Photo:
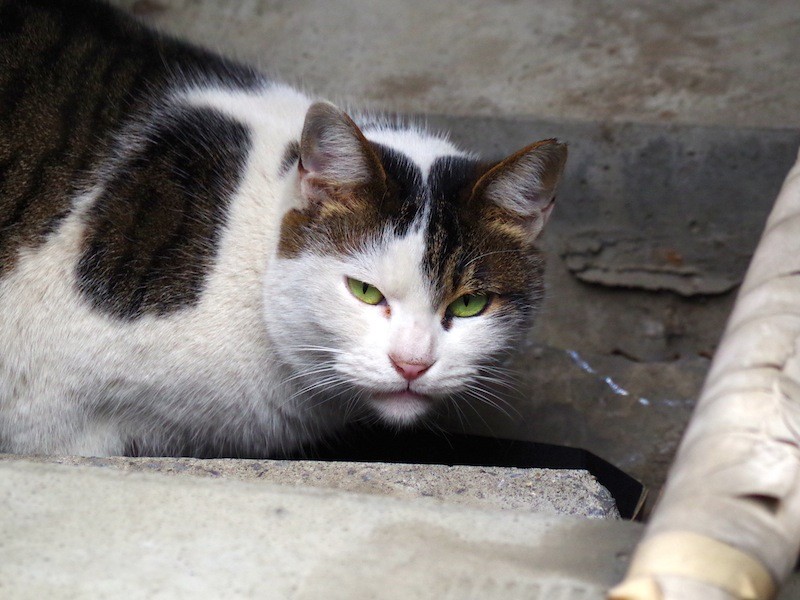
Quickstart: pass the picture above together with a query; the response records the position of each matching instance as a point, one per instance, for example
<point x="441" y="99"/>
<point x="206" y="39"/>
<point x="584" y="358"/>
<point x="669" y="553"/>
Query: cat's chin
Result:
<point x="401" y="408"/>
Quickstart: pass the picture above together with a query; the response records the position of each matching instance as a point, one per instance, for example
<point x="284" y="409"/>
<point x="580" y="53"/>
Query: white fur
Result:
<point x="415" y="143"/>
<point x="240" y="368"/>
<point x="363" y="336"/>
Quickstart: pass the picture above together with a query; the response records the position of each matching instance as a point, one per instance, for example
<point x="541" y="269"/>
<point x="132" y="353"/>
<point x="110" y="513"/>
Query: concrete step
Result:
<point x="86" y="532"/>
<point x="549" y="491"/>
<point x="75" y="532"/>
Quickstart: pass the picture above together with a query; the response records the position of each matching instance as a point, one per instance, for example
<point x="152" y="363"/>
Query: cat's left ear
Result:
<point x="524" y="185"/>
<point x="335" y="157"/>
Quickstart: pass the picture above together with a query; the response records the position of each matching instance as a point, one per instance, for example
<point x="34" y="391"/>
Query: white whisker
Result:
<point x="311" y="372"/>
<point x="476" y="411"/>
<point x="319" y="385"/>
<point x="495" y="401"/>
<point x="319" y="349"/>
<point x="507" y="385"/>
<point x="485" y="254"/>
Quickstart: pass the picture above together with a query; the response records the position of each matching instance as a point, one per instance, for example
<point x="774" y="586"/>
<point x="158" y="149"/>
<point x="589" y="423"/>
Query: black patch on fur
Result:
<point x="450" y="181"/>
<point x="72" y="74"/>
<point x="291" y="154"/>
<point x="11" y="20"/>
<point x="405" y="196"/>
<point x="153" y="233"/>
<point x="467" y="253"/>
<point x="392" y="198"/>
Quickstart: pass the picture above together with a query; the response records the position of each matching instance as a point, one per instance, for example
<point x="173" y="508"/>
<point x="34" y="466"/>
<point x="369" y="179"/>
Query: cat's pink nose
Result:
<point x="410" y="371"/>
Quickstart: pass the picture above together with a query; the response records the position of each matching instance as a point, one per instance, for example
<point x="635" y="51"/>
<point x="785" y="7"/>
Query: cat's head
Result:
<point x="405" y="267"/>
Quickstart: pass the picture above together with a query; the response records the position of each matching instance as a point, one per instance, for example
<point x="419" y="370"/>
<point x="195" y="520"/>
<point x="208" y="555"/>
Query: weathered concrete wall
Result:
<point x="653" y="231"/>
<point x="646" y="209"/>
<point x="85" y="532"/>
<point x="699" y="62"/>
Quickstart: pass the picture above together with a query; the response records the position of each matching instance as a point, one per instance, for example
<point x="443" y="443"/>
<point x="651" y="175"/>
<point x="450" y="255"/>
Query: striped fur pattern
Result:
<point x="178" y="234"/>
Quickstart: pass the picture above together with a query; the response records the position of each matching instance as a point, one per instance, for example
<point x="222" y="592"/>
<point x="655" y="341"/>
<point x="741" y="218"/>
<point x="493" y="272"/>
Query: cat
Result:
<point x="198" y="260"/>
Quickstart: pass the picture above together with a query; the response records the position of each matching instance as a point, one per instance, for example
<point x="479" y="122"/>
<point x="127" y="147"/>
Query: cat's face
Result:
<point x="401" y="278"/>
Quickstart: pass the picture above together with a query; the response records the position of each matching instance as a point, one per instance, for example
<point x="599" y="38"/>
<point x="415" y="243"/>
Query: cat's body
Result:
<point x="184" y="246"/>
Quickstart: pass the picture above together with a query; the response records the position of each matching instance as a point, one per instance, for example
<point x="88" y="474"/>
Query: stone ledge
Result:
<point x="551" y="491"/>
<point x="75" y="532"/>
<point x="83" y="532"/>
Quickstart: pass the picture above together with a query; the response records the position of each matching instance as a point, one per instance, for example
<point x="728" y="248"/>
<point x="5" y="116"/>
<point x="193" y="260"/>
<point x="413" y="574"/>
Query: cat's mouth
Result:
<point x="406" y="395"/>
<point x="402" y="407"/>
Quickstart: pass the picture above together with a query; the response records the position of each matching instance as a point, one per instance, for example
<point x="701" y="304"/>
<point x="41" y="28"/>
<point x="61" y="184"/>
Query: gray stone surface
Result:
<point x="698" y="62"/>
<point x="547" y="491"/>
<point x="78" y="532"/>
<point x="652" y="233"/>
<point x="677" y="208"/>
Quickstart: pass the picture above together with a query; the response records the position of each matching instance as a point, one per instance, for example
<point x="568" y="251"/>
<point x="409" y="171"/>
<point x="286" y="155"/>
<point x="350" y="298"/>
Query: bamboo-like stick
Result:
<point x="728" y="523"/>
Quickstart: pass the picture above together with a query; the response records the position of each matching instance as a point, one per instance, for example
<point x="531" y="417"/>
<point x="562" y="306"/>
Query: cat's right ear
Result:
<point x="523" y="186"/>
<point x="335" y="157"/>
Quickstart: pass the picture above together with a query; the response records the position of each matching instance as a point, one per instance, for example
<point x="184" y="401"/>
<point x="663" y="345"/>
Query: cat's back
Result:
<point x="184" y="247"/>
<point x="136" y="180"/>
<point x="134" y="140"/>
<point x="61" y="92"/>
<point x="71" y="75"/>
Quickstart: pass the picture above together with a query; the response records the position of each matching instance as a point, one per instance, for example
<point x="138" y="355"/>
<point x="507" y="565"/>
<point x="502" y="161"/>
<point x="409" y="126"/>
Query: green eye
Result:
<point x="468" y="305"/>
<point x="365" y="292"/>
